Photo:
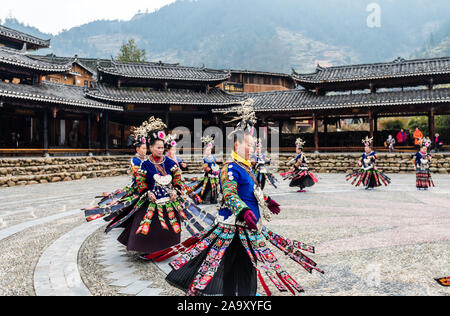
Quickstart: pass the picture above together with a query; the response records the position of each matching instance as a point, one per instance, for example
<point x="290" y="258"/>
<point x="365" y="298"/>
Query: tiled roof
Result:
<point x="214" y="97"/>
<point x="29" y="39"/>
<point x="161" y="71"/>
<point x="261" y="73"/>
<point x="89" y="64"/>
<point x="21" y="59"/>
<point x="56" y="93"/>
<point x="298" y="100"/>
<point x="399" y="68"/>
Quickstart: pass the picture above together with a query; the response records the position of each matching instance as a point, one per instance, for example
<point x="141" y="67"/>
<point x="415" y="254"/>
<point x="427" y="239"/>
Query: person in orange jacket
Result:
<point x="418" y="136"/>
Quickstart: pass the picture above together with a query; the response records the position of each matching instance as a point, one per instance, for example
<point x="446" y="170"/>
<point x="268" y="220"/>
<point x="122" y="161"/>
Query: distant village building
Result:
<point x="60" y="105"/>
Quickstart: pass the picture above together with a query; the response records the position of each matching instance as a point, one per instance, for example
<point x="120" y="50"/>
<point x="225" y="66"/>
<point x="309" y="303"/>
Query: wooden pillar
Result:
<point x="371" y="129"/>
<point x="431" y="123"/>
<point x="325" y="129"/>
<point x="106" y="115"/>
<point x="316" y="133"/>
<point x="45" y="130"/>
<point x="89" y="134"/>
<point x="166" y="119"/>
<point x="122" y="136"/>
<point x="375" y="124"/>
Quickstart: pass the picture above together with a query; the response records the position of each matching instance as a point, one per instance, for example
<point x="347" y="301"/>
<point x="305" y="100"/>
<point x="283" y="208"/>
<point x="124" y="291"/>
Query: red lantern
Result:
<point x="55" y="111"/>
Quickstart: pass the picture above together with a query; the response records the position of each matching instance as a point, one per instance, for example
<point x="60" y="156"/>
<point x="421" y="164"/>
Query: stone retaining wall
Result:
<point x="27" y="171"/>
<point x="345" y="163"/>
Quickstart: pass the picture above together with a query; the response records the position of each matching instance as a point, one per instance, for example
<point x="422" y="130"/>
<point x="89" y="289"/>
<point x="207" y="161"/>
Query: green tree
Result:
<point x="129" y="52"/>
<point x="420" y="122"/>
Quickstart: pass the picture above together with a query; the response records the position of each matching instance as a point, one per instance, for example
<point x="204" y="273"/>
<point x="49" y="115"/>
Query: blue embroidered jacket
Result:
<point x="147" y="172"/>
<point x="418" y="159"/>
<point x="371" y="156"/>
<point x="301" y="157"/>
<point x="258" y="157"/>
<point x="135" y="164"/>
<point x="237" y="187"/>
<point x="208" y="163"/>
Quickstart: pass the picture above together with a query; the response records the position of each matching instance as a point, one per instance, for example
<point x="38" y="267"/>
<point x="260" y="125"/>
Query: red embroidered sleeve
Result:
<point x="206" y="168"/>
<point x="141" y="180"/>
<point x="177" y="178"/>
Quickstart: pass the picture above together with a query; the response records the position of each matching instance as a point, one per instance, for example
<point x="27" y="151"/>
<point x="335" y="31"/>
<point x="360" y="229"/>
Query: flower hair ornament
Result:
<point x="367" y="141"/>
<point x="246" y="118"/>
<point x="259" y="143"/>
<point x="171" y="140"/>
<point x="209" y="141"/>
<point x="300" y="143"/>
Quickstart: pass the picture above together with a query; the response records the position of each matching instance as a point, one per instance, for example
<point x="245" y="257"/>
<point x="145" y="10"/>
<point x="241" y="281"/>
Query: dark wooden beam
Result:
<point x="431" y="126"/>
<point x="371" y="129"/>
<point x="45" y="131"/>
<point x="89" y="123"/>
<point x="106" y="121"/>
<point x="316" y="132"/>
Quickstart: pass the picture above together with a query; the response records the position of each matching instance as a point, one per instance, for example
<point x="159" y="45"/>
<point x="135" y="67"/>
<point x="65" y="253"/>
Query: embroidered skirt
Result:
<point x="151" y="227"/>
<point x="423" y="179"/>
<point x="207" y="188"/>
<point x="369" y="178"/>
<point x="228" y="260"/>
<point x="302" y="178"/>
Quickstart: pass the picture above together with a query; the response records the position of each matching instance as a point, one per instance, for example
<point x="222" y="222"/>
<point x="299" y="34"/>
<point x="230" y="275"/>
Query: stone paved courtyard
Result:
<point x="391" y="241"/>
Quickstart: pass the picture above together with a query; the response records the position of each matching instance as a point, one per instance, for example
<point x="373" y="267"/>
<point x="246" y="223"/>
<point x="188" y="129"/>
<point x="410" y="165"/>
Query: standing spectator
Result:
<point x="418" y="137"/>
<point x="437" y="142"/>
<point x="402" y="137"/>
<point x="427" y="142"/>
<point x="390" y="142"/>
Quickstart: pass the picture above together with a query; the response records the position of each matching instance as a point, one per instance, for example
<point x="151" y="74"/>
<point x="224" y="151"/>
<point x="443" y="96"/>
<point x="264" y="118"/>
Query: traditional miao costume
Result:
<point x="172" y="143"/>
<point x="260" y="163"/>
<point x="229" y="257"/>
<point x="423" y="175"/>
<point x="207" y="187"/>
<point x="119" y="198"/>
<point x="301" y="176"/>
<point x="368" y="175"/>
<point x="152" y="226"/>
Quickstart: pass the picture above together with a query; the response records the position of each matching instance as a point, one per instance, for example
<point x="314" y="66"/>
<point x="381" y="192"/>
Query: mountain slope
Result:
<point x="264" y="35"/>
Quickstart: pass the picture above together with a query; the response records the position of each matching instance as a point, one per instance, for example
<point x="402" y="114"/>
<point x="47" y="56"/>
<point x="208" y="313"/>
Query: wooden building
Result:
<point x="53" y="105"/>
<point x="67" y="105"/>
<point x="245" y="81"/>
<point x="20" y="41"/>
<point x="371" y="91"/>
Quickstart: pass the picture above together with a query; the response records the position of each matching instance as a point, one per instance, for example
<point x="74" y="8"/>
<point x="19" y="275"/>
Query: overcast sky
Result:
<point x="52" y="16"/>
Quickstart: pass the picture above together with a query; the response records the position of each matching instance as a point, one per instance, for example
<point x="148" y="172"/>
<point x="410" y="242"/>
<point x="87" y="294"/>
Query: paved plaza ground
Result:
<point x="391" y="241"/>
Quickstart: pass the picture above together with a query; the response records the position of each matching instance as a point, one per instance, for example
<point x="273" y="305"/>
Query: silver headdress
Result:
<point x="300" y="143"/>
<point x="367" y="141"/>
<point x="246" y="117"/>
<point x="171" y="140"/>
<point x="209" y="140"/>
<point x="151" y="129"/>
<point x="259" y="142"/>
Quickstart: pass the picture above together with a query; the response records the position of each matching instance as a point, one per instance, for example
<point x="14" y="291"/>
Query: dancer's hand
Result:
<point x="173" y="196"/>
<point x="273" y="206"/>
<point x="250" y="219"/>
<point x="151" y="196"/>
<point x="215" y="173"/>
